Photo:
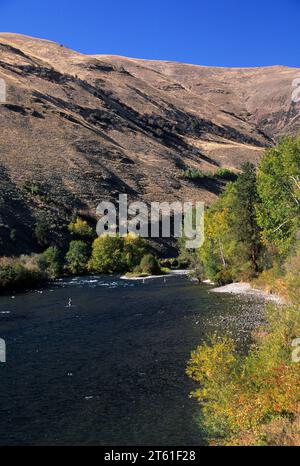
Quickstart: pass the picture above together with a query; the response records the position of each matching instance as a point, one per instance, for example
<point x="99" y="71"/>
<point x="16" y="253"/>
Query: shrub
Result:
<point x="51" y="261"/>
<point x="149" y="265"/>
<point x="20" y="272"/>
<point x="226" y="174"/>
<point x="223" y="173"/>
<point x="81" y="229"/>
<point x="32" y="187"/>
<point x="194" y="174"/>
<point x="77" y="257"/>
<point x="107" y="255"/>
<point x="223" y="277"/>
<point x="292" y="275"/>
<point x="250" y="399"/>
<point x="283" y="278"/>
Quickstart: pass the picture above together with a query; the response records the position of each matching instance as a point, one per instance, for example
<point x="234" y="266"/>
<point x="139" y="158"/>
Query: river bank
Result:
<point x="244" y="288"/>
<point x="236" y="288"/>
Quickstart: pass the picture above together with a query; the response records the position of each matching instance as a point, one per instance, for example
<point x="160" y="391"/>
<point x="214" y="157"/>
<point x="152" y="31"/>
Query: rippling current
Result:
<point x="110" y="369"/>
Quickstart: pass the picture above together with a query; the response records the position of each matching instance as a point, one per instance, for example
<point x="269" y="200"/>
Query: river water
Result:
<point x="110" y="369"/>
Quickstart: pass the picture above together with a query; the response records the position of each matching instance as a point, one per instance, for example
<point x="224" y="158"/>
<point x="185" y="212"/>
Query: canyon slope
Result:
<point x="76" y="129"/>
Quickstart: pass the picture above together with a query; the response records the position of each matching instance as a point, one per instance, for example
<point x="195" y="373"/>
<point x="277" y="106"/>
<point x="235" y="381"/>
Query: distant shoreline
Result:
<point x="172" y="273"/>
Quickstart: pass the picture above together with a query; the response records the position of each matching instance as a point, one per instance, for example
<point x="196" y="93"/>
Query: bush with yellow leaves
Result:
<point x="253" y="399"/>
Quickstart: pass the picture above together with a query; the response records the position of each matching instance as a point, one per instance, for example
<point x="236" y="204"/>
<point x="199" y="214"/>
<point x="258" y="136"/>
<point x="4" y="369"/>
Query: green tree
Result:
<point x="232" y="244"/>
<point x="52" y="261"/>
<point x="77" y="257"/>
<point x="218" y="253"/>
<point x="278" y="184"/>
<point x="243" y="215"/>
<point x="135" y="248"/>
<point x="108" y="255"/>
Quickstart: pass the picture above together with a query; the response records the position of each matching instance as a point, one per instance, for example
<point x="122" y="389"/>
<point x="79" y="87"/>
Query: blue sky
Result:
<point x="212" y="32"/>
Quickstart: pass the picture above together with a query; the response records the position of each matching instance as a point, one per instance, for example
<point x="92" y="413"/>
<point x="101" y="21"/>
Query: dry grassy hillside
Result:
<point x="76" y="129"/>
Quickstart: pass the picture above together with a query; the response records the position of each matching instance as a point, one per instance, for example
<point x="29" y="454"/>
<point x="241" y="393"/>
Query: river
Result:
<point x="110" y="369"/>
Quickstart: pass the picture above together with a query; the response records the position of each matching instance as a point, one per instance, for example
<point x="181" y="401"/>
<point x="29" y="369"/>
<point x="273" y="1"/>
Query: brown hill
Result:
<point x="77" y="129"/>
